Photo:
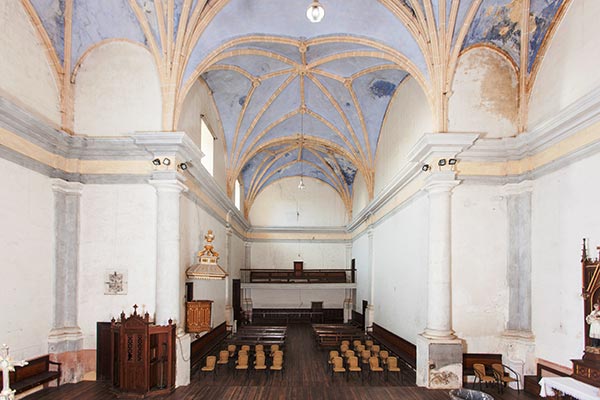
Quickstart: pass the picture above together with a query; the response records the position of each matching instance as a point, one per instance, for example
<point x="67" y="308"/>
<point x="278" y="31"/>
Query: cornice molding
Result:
<point x="577" y="116"/>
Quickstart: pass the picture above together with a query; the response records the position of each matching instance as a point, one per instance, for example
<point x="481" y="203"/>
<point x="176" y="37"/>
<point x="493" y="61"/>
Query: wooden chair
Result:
<point x="503" y="377"/>
<point x="277" y="364"/>
<point x="348" y="354"/>
<point x="359" y="349"/>
<point x="383" y="355"/>
<point x="211" y="362"/>
<point x="231" y="349"/>
<point x="346" y="343"/>
<point x="338" y="367"/>
<point x="274" y="348"/>
<point x="375" y="350"/>
<point x="223" y="357"/>
<point x="259" y="363"/>
<point x="246" y="348"/>
<point x="278" y="353"/>
<point x="481" y="376"/>
<point x="374" y="366"/>
<point x="332" y="355"/>
<point x="242" y="363"/>
<point x="353" y="366"/>
<point x="364" y="357"/>
<point x="392" y="366"/>
<point x="368" y="344"/>
<point x="355" y="344"/>
<point x="344" y="348"/>
<point x="259" y="347"/>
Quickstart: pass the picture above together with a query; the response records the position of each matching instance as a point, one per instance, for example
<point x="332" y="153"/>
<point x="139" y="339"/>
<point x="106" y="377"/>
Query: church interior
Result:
<point x="413" y="179"/>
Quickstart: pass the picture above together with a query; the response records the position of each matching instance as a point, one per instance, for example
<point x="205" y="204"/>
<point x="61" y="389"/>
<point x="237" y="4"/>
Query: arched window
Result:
<point x="207" y="145"/>
<point x="238" y="195"/>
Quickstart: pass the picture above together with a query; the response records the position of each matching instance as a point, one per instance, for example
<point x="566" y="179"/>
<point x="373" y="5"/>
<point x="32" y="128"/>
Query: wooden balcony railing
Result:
<point x="291" y="276"/>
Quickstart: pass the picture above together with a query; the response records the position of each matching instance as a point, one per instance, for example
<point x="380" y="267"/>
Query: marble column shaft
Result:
<point x="66" y="334"/>
<point x="439" y="185"/>
<point x="168" y="275"/>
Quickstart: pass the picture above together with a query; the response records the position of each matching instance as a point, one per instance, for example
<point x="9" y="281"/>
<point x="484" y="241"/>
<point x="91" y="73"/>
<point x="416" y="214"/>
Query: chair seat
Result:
<point x="222" y="362"/>
<point x="260" y="367"/>
<point x="354" y="369"/>
<point x="273" y="368"/>
<point x="241" y="367"/>
<point x="376" y="369"/>
<point x="487" y="379"/>
<point x="339" y="370"/>
<point x="208" y="369"/>
<point x="394" y="369"/>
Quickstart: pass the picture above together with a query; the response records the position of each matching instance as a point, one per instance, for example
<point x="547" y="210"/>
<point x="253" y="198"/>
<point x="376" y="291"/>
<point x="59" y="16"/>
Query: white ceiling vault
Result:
<point x="294" y="97"/>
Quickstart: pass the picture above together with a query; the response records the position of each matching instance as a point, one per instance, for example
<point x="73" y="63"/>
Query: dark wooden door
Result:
<point x="103" y="351"/>
<point x="237" y="300"/>
<point x="298" y="267"/>
<point x="365" y="304"/>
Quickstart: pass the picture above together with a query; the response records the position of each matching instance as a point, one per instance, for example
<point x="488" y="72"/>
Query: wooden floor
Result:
<point x="306" y="377"/>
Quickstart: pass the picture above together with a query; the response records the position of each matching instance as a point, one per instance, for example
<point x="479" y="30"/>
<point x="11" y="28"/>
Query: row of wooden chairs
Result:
<point x="501" y="376"/>
<point x="242" y="362"/>
<point x="369" y="363"/>
<point x="257" y="348"/>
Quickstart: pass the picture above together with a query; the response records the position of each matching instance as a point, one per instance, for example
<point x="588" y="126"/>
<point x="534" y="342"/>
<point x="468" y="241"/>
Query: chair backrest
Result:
<point x="337" y="362"/>
<point x="211" y="361"/>
<point x="353" y="362"/>
<point x="259" y="353"/>
<point x="349" y="353"/>
<point x="498" y="369"/>
<point x="242" y="352"/>
<point x="260" y="359"/>
<point x="383" y="354"/>
<point x="356" y="343"/>
<point x="479" y="370"/>
<point x="346" y="342"/>
<point x="231" y="348"/>
<point x="277" y="361"/>
<point x="278" y="353"/>
<point x="392" y="362"/>
<point x="243" y="359"/>
<point x="259" y="347"/>
<point x="369" y="343"/>
<point x="344" y="348"/>
<point x="333" y="353"/>
<point x="374" y="362"/>
<point x="359" y="349"/>
<point x="274" y="348"/>
<point x="375" y="348"/>
<point x="365" y="355"/>
<point x="223" y="355"/>
<point x="246" y="347"/>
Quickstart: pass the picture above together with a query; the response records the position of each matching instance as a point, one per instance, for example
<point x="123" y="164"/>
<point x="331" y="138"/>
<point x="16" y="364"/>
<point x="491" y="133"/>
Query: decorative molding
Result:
<point x="296" y="286"/>
<point x="441" y="145"/>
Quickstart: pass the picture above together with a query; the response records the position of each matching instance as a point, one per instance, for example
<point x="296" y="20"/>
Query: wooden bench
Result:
<point x="36" y="373"/>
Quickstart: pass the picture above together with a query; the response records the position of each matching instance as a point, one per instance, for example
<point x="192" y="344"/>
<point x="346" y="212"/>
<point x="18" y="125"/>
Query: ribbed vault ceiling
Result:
<point x="297" y="98"/>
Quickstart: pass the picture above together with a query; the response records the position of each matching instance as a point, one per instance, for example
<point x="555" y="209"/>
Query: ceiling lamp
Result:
<point x="301" y="185"/>
<point x="315" y="12"/>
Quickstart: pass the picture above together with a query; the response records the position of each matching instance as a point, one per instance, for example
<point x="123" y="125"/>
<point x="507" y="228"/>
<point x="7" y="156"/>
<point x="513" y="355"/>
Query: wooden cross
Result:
<point x="135" y="307"/>
<point x="6" y="365"/>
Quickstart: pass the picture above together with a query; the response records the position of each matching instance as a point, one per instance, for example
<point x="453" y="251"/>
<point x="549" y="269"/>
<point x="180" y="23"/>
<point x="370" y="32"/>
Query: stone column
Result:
<point x="518" y="340"/>
<point x="439" y="353"/>
<point x="228" y="306"/>
<point x="370" y="311"/>
<point x="247" y="255"/>
<point x="65" y="334"/>
<point x="169" y="303"/>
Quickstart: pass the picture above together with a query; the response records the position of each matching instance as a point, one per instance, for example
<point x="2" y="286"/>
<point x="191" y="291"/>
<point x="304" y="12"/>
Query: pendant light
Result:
<point x="315" y="12"/>
<point x="301" y="185"/>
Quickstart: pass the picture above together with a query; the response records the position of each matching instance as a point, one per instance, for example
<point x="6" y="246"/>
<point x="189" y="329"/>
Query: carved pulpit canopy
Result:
<point x="207" y="266"/>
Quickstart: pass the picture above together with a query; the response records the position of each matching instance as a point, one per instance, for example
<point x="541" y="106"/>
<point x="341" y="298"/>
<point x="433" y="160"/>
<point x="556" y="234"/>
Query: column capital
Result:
<point x="62" y="186"/>
<point x="247" y="244"/>
<point x="441" y="181"/>
<point x="167" y="183"/>
<point x="518" y="188"/>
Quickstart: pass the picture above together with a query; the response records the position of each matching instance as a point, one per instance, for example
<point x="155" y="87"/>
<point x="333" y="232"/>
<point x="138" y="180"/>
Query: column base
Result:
<point x="436" y="334"/>
<point x="182" y="353"/>
<point x="518" y="352"/>
<point x="439" y="363"/>
<point x="62" y="340"/>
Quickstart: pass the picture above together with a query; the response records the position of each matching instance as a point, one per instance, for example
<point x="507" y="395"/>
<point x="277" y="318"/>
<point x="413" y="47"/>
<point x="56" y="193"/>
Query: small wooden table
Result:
<point x="570" y="386"/>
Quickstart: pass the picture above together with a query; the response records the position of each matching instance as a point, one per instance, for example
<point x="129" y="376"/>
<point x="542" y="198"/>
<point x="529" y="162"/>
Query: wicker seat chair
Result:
<point x="502" y="373"/>
<point x="353" y="366"/>
<point x="481" y="376"/>
<point x="210" y="366"/>
<point x="374" y="367"/>
<point x="338" y="367"/>
<point x="392" y="367"/>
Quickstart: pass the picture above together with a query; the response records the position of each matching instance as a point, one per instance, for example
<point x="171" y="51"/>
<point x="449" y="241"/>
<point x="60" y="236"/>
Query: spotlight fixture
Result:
<point x="315" y="12"/>
<point x="183" y="166"/>
<point x="156" y="161"/>
<point x="166" y="161"/>
<point x="425" y="167"/>
<point x="452" y="161"/>
<point x="441" y="162"/>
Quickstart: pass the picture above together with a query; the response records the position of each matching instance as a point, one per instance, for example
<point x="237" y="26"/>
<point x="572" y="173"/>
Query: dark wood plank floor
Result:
<point x="305" y="377"/>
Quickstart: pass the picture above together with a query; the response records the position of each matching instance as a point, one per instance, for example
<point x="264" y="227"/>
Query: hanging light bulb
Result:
<point x="315" y="12"/>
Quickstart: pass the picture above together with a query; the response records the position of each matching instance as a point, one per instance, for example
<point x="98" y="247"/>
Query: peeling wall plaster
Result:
<point x="485" y="95"/>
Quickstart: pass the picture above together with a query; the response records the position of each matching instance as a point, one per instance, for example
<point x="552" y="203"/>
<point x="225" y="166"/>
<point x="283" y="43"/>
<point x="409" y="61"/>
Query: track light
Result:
<point x="156" y="162"/>
<point x="441" y="162"/>
<point x="452" y="161"/>
<point x="166" y="161"/>
<point x="183" y="166"/>
<point x="425" y="167"/>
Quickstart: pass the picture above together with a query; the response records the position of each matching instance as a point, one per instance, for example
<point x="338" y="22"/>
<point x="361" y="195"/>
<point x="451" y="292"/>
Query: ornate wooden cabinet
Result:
<point x="143" y="356"/>
<point x="588" y="368"/>
<point x="198" y="316"/>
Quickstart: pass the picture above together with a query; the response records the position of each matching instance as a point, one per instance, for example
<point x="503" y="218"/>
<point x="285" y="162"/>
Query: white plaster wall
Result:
<point x="479" y="259"/>
<point x="237" y="256"/>
<point x="360" y="253"/>
<point x="400" y="263"/>
<point x="407" y="118"/>
<point x="25" y="73"/>
<point x="199" y="101"/>
<point x="117" y="91"/>
<point x="283" y="204"/>
<point x="570" y="67"/>
<point x="27" y="251"/>
<point x="565" y="210"/>
<point x="360" y="197"/>
<point x="484" y="97"/>
<point x="296" y="298"/>
<point x="118" y="232"/>
<point x="281" y="254"/>
<point x="212" y="290"/>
